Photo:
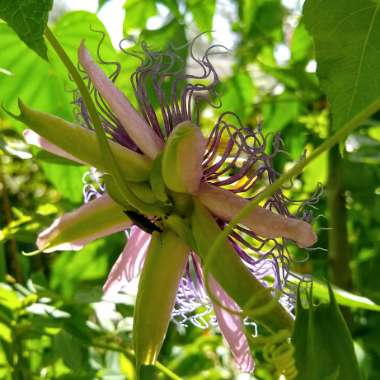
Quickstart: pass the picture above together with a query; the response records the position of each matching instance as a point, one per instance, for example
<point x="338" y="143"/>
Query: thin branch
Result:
<point x="13" y="259"/>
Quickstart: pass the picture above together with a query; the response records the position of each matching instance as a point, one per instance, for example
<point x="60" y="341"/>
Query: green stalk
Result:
<point x="339" y="247"/>
<point x="294" y="171"/>
<point x="109" y="159"/>
<point x="12" y="257"/>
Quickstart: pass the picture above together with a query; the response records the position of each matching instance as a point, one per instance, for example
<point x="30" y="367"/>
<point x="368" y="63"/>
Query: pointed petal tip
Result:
<point x="93" y="220"/>
<point x="22" y="107"/>
<point x="135" y="125"/>
<point x="83" y="53"/>
<point x="306" y="237"/>
<point x="33" y="138"/>
<point x="48" y="234"/>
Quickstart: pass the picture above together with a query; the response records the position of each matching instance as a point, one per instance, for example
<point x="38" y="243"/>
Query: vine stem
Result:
<point x="294" y="171"/>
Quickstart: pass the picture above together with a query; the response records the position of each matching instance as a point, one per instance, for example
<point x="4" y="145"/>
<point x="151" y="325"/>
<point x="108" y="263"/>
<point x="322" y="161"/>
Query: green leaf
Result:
<point x="172" y="33"/>
<point x="315" y="173"/>
<point x="301" y="44"/>
<point x="101" y="3"/>
<point x="87" y="265"/>
<point x="238" y="94"/>
<point x="67" y="179"/>
<point x="28" y="18"/>
<point x="280" y="113"/>
<point x="262" y="17"/>
<point x="137" y="13"/>
<point x="346" y="35"/>
<point x="323" y="345"/>
<point x="203" y="13"/>
<point x="68" y="348"/>
<point x="46" y="91"/>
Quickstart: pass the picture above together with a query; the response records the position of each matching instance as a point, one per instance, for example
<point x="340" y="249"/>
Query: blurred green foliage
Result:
<point x="52" y="325"/>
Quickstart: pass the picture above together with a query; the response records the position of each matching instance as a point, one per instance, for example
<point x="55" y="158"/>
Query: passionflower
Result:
<point x="183" y="187"/>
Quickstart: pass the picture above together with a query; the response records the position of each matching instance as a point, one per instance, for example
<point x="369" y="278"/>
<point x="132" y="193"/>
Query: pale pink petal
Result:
<point x="137" y="128"/>
<point x="129" y="263"/>
<point x="95" y="219"/>
<point x="34" y="138"/>
<point x="231" y="327"/>
<point x="225" y="204"/>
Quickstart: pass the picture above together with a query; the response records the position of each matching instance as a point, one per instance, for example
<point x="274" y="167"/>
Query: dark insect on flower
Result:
<point x="142" y="222"/>
<point x="183" y="188"/>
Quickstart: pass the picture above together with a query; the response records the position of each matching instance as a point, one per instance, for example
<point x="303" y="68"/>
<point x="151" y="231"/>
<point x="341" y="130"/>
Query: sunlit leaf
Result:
<point x="346" y="35"/>
<point x="28" y="18"/>
<point x="46" y="89"/>
<point x="315" y="173"/>
<point x="302" y="43"/>
<point x="237" y="95"/>
<point x="137" y="13"/>
<point x="280" y="113"/>
<point x="71" y="351"/>
<point x="67" y="179"/>
<point x="203" y="13"/>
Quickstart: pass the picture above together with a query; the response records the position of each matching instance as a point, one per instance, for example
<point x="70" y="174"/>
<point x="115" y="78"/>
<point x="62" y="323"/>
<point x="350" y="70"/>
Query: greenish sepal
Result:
<point x="90" y="221"/>
<point x="83" y="144"/>
<point x="115" y="193"/>
<point x="164" y="264"/>
<point x="234" y="277"/>
<point x="181" y="226"/>
<point x="143" y="191"/>
<point x="132" y="201"/>
<point x="156" y="181"/>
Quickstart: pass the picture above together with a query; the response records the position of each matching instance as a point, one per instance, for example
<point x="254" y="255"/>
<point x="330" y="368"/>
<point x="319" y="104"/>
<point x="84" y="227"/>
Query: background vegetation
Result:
<point x="52" y="323"/>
